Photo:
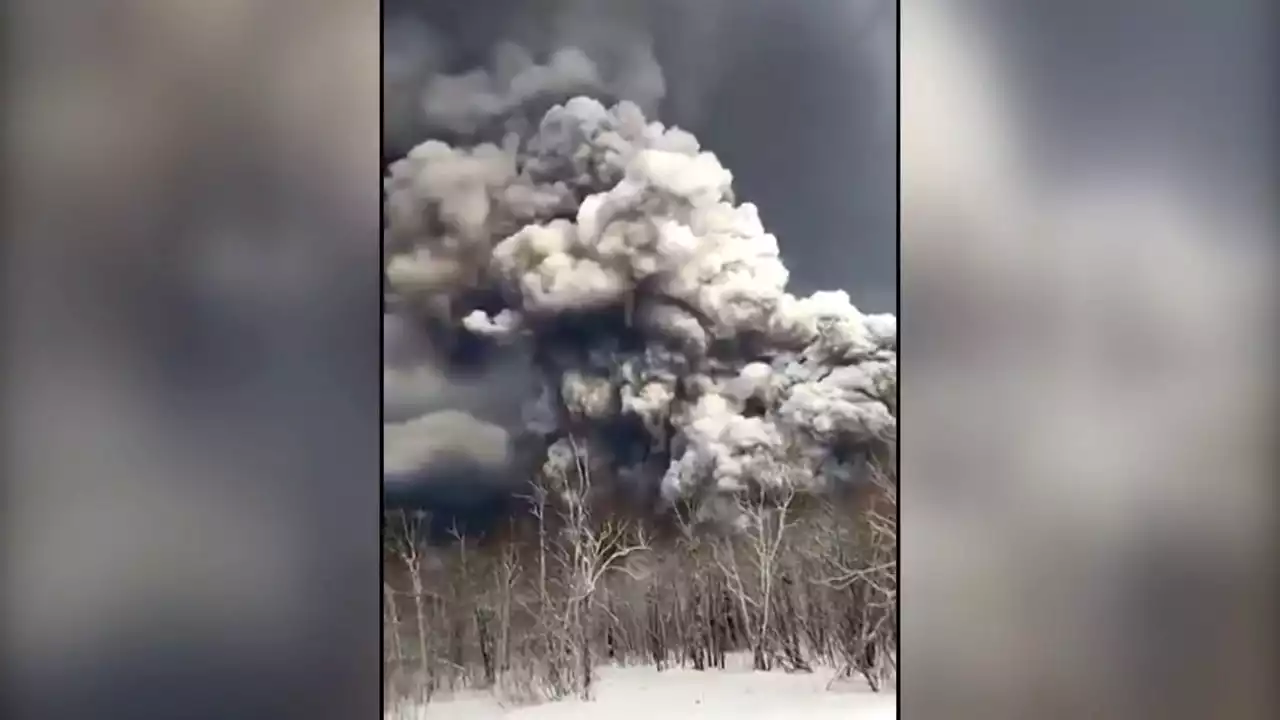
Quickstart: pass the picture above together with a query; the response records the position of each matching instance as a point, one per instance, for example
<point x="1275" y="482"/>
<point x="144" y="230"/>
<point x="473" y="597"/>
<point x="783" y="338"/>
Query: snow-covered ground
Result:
<point x="642" y="693"/>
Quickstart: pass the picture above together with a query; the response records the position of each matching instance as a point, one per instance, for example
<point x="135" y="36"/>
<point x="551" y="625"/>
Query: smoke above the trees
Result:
<point x="577" y="283"/>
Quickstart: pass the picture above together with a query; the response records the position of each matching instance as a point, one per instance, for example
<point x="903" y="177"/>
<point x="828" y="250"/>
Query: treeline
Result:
<point x="532" y="608"/>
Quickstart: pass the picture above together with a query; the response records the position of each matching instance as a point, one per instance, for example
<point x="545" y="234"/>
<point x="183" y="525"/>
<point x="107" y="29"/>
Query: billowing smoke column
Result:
<point x="667" y="352"/>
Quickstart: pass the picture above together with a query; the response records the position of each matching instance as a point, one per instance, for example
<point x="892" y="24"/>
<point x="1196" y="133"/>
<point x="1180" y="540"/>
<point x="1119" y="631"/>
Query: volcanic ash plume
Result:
<point x="610" y="250"/>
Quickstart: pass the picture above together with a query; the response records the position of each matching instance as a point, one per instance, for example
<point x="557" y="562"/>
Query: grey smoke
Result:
<point x="442" y="436"/>
<point x="577" y="49"/>
<point x="466" y="103"/>
<point x="525" y="321"/>
<point x="415" y="382"/>
<point x="798" y="99"/>
<point x="609" y="248"/>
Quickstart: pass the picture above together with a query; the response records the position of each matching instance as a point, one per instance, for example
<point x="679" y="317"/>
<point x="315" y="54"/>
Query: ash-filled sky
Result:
<point x="798" y="99"/>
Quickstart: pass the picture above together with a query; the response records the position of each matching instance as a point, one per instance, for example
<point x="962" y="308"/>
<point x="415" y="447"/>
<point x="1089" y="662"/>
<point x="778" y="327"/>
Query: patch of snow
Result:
<point x="643" y="693"/>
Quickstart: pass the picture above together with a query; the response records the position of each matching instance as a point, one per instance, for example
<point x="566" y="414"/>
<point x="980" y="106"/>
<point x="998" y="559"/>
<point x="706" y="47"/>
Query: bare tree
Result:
<point x="861" y="566"/>
<point x="750" y="562"/>
<point x="408" y="542"/>
<point x="591" y="548"/>
<point x="394" y="662"/>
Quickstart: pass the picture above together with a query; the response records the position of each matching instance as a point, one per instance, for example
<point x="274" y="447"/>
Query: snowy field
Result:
<point x="639" y="693"/>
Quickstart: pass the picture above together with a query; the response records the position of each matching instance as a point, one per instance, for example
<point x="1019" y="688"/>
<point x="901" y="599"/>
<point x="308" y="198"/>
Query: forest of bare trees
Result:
<point x="529" y="610"/>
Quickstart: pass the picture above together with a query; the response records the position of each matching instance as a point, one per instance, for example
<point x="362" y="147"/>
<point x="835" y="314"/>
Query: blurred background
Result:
<point x="1088" y="359"/>
<point x="191" y="386"/>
